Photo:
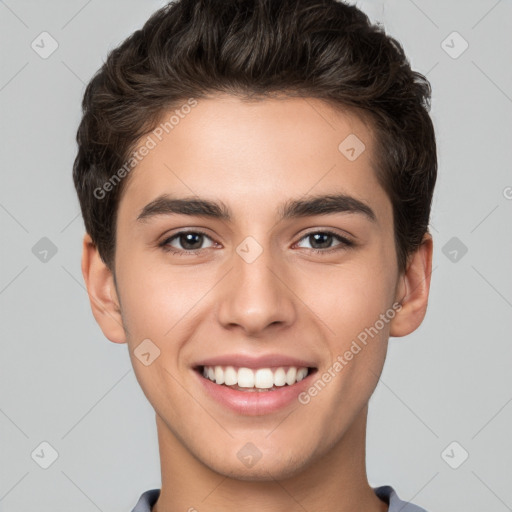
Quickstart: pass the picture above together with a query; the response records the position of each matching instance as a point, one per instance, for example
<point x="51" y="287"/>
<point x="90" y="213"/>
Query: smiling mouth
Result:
<point x="255" y="380"/>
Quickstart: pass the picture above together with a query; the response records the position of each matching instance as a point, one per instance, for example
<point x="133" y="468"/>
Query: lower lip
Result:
<point x="255" y="403"/>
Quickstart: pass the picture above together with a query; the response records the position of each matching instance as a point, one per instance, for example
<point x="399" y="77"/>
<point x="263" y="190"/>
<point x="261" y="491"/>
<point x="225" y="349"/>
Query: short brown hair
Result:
<point x="323" y="49"/>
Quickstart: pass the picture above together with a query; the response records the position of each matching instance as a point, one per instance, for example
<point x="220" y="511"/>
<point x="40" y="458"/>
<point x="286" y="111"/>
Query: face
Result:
<point x="243" y="285"/>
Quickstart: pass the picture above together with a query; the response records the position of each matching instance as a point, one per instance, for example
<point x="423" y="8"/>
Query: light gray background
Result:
<point x="62" y="382"/>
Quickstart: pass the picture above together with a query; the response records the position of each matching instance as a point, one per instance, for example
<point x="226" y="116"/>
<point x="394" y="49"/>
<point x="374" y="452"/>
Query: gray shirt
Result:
<point x="385" y="493"/>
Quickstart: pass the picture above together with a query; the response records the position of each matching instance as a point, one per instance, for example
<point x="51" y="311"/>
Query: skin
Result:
<point x="289" y="301"/>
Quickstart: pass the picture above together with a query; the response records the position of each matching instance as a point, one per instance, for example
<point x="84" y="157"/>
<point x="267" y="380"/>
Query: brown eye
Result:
<point x="185" y="242"/>
<point x="321" y="241"/>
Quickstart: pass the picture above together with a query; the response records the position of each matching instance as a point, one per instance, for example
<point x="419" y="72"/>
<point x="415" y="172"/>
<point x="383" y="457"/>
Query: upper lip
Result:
<point x="247" y="361"/>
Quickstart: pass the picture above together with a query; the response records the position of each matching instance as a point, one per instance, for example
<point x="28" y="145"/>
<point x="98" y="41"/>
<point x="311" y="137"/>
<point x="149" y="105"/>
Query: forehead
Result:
<point x="257" y="152"/>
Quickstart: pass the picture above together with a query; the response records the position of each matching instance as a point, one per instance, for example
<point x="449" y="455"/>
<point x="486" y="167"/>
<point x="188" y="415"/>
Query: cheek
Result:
<point x="159" y="300"/>
<point x="358" y="342"/>
<point x="352" y="298"/>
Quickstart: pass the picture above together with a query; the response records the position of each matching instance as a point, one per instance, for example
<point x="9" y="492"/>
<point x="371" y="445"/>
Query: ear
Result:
<point x="413" y="290"/>
<point x="102" y="292"/>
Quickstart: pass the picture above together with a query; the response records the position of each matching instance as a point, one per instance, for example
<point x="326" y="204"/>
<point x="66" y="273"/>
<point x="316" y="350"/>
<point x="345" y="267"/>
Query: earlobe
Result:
<point x="99" y="282"/>
<point x="413" y="290"/>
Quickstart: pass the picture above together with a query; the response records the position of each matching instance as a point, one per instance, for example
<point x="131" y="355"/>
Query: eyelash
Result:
<point x="345" y="243"/>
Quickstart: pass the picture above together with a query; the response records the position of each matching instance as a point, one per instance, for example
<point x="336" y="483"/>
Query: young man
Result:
<point x="256" y="178"/>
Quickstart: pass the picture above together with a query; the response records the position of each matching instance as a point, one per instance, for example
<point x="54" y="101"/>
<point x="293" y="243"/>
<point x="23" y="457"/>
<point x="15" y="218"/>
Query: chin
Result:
<point x="268" y="468"/>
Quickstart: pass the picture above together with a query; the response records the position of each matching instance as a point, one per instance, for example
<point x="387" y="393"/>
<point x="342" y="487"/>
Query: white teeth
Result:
<point x="245" y="378"/>
<point x="262" y="378"/>
<point x="280" y="377"/>
<point x="219" y="375"/>
<point x="230" y="376"/>
<point x="301" y="374"/>
<point x="291" y="375"/>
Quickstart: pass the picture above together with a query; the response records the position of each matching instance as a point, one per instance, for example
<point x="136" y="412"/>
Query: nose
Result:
<point x="255" y="296"/>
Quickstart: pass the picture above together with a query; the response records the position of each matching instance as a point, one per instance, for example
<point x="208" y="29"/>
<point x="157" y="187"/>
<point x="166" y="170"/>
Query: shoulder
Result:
<point x="147" y="500"/>
<point x="388" y="494"/>
<point x="385" y="492"/>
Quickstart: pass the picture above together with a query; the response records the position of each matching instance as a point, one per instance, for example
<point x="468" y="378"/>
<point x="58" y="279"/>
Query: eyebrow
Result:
<point x="293" y="208"/>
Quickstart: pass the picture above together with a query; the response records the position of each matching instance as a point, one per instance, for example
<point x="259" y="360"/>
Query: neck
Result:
<point x="334" y="482"/>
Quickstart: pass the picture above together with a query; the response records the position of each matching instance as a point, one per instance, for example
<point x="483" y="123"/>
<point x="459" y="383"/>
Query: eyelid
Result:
<point x="344" y="241"/>
<point x="167" y="238"/>
<point x="331" y="231"/>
